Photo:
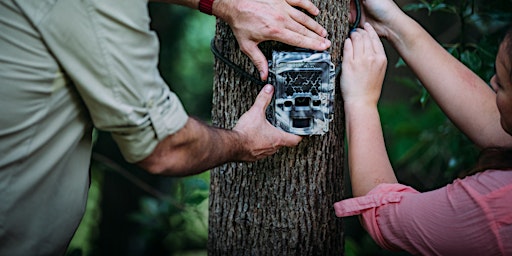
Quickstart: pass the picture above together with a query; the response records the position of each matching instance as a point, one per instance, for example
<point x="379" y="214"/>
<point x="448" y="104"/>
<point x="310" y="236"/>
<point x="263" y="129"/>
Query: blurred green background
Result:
<point x="131" y="212"/>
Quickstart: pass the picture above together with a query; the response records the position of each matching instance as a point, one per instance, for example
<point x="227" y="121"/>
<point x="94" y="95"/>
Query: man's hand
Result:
<point x="198" y="147"/>
<point x="262" y="139"/>
<point x="255" y="21"/>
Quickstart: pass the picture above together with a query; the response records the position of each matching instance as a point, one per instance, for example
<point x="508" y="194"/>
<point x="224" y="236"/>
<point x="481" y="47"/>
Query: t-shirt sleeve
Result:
<point x="368" y="206"/>
<point x="111" y="56"/>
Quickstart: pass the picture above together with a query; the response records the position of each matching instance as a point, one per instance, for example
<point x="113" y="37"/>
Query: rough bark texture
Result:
<point x="282" y="205"/>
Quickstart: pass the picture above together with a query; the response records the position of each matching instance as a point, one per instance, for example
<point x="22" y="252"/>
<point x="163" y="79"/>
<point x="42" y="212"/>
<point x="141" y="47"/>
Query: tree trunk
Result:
<point x="282" y="205"/>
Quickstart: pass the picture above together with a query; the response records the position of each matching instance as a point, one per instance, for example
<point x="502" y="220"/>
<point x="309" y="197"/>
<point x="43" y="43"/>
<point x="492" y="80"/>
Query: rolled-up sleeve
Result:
<point x="111" y="56"/>
<point x="367" y="206"/>
<point x="470" y="216"/>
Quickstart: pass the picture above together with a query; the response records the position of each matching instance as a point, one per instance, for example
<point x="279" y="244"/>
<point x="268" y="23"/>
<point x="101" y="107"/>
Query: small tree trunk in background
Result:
<point x="282" y="205"/>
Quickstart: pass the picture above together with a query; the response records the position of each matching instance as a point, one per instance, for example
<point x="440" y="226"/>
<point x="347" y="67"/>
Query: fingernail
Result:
<point x="268" y="88"/>
<point x="325" y="44"/>
<point x="328" y="42"/>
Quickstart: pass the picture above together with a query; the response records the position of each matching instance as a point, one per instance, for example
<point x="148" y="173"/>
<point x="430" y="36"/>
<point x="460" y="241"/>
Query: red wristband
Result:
<point x="205" y="6"/>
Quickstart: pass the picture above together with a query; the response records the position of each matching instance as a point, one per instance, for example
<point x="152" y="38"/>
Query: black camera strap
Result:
<point x="234" y="66"/>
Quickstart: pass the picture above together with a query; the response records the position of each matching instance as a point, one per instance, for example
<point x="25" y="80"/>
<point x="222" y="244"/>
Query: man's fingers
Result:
<point x="306" y="5"/>
<point x="289" y="140"/>
<point x="304" y="22"/>
<point x="263" y="98"/>
<point x="314" y="42"/>
<point x="254" y="53"/>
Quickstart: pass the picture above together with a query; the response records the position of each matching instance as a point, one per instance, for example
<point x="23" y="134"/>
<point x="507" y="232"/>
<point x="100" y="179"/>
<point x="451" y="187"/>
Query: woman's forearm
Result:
<point x="364" y="68"/>
<point x="464" y="97"/>
<point x="368" y="159"/>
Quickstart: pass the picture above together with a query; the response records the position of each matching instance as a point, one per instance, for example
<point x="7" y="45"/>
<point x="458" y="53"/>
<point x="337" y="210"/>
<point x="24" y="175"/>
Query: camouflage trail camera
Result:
<point x="304" y="91"/>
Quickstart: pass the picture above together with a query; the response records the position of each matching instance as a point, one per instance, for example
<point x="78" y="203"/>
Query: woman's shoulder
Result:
<point x="486" y="182"/>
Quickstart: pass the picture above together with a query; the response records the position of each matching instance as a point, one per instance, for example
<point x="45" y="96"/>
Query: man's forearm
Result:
<point x="195" y="148"/>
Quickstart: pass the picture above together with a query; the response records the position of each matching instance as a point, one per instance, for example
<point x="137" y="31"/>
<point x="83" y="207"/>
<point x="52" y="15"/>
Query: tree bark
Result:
<point x="282" y="205"/>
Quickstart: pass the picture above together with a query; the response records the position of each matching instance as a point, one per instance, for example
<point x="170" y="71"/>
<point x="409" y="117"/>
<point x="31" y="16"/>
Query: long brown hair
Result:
<point x="492" y="159"/>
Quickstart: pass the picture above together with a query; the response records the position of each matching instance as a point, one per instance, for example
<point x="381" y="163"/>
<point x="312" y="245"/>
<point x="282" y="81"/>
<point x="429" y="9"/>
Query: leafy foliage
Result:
<point x="191" y="72"/>
<point x="432" y="6"/>
<point x="179" y="221"/>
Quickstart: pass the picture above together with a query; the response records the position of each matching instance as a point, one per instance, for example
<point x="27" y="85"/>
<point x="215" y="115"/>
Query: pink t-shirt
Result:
<point x="471" y="216"/>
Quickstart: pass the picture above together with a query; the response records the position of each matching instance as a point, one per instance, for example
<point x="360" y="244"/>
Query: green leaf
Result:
<point x="424" y="97"/>
<point x="416" y="7"/>
<point x="400" y="63"/>
<point x="471" y="59"/>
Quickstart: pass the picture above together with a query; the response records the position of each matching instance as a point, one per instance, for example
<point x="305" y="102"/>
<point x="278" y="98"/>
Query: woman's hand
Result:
<point x="381" y="14"/>
<point x="363" y="67"/>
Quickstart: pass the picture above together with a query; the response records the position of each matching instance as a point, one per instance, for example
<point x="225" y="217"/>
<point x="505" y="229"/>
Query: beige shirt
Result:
<point x="66" y="65"/>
